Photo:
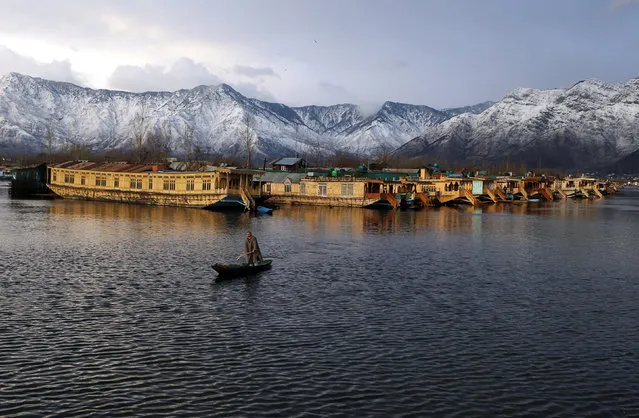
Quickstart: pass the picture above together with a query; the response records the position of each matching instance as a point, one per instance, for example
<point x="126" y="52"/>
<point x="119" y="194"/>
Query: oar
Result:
<point x="244" y="255"/>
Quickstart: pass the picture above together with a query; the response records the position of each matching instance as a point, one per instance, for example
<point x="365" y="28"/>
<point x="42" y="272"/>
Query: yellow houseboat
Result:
<point x="581" y="187"/>
<point x="302" y="189"/>
<point x="222" y="187"/>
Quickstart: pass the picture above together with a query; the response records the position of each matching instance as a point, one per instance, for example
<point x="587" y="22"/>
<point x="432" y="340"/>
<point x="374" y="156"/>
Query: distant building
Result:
<point x="289" y="164"/>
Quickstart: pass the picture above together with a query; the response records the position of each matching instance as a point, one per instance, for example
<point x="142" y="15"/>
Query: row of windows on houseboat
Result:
<point x="137" y="182"/>
<point x="322" y="189"/>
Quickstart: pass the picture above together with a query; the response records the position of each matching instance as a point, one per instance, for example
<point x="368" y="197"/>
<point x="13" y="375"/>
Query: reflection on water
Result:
<point x="356" y="221"/>
<point x="503" y="310"/>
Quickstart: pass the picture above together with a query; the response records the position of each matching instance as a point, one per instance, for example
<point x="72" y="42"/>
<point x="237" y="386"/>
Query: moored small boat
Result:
<point x="240" y="270"/>
<point x="264" y="209"/>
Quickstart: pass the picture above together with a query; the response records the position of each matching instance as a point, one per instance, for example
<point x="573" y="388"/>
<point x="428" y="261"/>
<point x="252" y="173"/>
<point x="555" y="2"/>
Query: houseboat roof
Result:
<point x="109" y="166"/>
<point x="142" y="168"/>
<point x="279" y="176"/>
<point x="287" y="161"/>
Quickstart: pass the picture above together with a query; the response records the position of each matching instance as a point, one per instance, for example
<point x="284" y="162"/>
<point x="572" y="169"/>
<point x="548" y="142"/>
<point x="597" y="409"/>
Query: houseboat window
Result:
<point x="302" y="188"/>
<point x="268" y="188"/>
<point x="190" y="184"/>
<point x="206" y="185"/>
<point x="287" y="187"/>
<point x="83" y="180"/>
<point x="136" y="183"/>
<point x="168" y="184"/>
<point x="322" y="189"/>
<point x="347" y="189"/>
<point x="69" y="178"/>
<point x="55" y="177"/>
<point x="100" y="181"/>
<point x="150" y="183"/>
<point x="116" y="181"/>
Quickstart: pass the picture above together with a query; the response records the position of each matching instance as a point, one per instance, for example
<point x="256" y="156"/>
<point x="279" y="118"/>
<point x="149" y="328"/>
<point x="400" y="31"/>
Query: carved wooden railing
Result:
<point x="390" y="198"/>
<point x="424" y="199"/>
<point x="547" y="194"/>
<point x="247" y="199"/>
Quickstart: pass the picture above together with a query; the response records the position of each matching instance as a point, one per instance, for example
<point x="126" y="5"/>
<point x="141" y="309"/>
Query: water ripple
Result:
<point x="113" y="310"/>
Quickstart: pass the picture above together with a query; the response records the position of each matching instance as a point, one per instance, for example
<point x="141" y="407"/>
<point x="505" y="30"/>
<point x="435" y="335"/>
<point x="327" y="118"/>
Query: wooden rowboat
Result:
<point x="240" y="270"/>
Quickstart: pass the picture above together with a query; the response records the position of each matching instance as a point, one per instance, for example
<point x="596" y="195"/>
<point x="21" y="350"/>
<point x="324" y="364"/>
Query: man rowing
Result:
<point x="252" y="249"/>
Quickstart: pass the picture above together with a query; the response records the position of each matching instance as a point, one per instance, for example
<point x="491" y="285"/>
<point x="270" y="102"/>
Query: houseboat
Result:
<point x="323" y="190"/>
<point x="30" y="182"/>
<point x="437" y="189"/>
<point x="425" y="187"/>
<point x="215" y="188"/>
<point x="581" y="188"/>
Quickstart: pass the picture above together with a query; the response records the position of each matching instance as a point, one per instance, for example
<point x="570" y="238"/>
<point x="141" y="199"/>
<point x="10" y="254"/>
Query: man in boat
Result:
<point x="252" y="249"/>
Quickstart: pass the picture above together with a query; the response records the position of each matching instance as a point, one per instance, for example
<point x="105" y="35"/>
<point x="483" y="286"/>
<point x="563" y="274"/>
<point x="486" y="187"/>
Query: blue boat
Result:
<point x="264" y="209"/>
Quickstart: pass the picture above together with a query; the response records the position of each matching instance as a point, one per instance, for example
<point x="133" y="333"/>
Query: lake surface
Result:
<point x="113" y="309"/>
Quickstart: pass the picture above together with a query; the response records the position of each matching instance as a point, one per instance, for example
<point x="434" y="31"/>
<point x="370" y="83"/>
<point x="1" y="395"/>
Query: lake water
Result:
<point x="113" y="309"/>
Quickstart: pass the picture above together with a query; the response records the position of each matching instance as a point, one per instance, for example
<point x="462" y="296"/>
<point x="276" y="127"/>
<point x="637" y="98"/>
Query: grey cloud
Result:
<point x="56" y="70"/>
<point x="254" y="91"/>
<point x="183" y="74"/>
<point x="329" y="93"/>
<point x="458" y="51"/>
<point x="331" y="88"/>
<point x="249" y="71"/>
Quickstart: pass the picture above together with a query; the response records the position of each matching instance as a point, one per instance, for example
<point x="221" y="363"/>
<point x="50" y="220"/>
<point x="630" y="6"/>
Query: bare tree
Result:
<point x="188" y="142"/>
<point x="297" y="139"/>
<point x="140" y="124"/>
<point x="158" y="143"/>
<point x="50" y="139"/>
<point x="248" y="136"/>
<point x="383" y="154"/>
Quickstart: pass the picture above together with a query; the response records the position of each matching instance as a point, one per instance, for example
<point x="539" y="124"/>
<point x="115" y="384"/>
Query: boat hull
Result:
<point x="229" y="271"/>
<point x="202" y="201"/>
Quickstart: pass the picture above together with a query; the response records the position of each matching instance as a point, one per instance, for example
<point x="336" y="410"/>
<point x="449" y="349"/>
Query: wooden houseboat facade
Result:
<point x="299" y="189"/>
<point x="581" y="187"/>
<point x="225" y="187"/>
<point x="151" y="184"/>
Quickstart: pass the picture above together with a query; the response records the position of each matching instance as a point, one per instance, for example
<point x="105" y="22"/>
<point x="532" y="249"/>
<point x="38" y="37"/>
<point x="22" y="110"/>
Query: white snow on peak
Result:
<point x="216" y="115"/>
<point x="592" y="123"/>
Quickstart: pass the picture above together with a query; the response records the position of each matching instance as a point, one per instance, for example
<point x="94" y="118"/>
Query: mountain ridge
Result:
<point x="591" y="124"/>
<point x="31" y="107"/>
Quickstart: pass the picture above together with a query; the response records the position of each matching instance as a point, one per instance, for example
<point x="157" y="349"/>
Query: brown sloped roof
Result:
<point x="112" y="167"/>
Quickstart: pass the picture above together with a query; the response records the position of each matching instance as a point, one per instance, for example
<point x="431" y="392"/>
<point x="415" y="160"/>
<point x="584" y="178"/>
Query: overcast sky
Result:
<point x="441" y="53"/>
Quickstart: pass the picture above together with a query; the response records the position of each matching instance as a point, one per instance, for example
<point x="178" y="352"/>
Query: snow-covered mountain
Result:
<point x="591" y="124"/>
<point x="390" y="127"/>
<point x="33" y="109"/>
<point x="37" y="114"/>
